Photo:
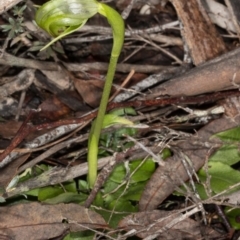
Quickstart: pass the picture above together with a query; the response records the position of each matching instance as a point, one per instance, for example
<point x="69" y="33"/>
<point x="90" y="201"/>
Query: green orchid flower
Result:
<point x="62" y="17"/>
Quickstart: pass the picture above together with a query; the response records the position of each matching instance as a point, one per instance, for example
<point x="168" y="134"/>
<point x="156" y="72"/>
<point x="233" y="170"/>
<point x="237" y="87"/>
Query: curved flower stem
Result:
<point x="62" y="17"/>
<point x="117" y="24"/>
<point x="97" y="125"/>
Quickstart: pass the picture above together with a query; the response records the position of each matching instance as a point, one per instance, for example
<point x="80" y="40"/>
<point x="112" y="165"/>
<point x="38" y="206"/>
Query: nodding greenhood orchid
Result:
<point x="63" y="17"/>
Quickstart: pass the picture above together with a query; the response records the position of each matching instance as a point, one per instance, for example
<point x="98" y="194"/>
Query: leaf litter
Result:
<point x="72" y="90"/>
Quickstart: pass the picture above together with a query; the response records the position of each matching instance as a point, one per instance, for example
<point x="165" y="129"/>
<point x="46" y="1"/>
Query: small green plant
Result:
<point x="115" y="140"/>
<point x="15" y="26"/>
<point x="118" y="197"/>
<point x="60" y="18"/>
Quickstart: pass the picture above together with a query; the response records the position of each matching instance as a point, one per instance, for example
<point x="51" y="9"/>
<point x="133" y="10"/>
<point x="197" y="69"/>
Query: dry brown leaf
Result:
<point x="9" y="128"/>
<point x="10" y="170"/>
<point x="33" y="221"/>
<point x="90" y="91"/>
<point x="148" y="223"/>
<point x="53" y="109"/>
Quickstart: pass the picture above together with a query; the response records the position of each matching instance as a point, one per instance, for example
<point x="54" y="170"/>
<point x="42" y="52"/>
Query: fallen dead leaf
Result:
<point x="33" y="221"/>
<point x="53" y="109"/>
<point x="9" y="129"/>
<point x="90" y="91"/>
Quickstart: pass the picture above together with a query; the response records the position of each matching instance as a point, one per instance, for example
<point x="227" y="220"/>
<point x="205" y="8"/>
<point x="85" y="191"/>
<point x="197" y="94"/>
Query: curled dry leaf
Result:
<point x="35" y="221"/>
<point x="90" y="91"/>
<point x="149" y="223"/>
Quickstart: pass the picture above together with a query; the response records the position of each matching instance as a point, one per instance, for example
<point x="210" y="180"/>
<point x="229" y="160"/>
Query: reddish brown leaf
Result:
<point x="9" y="129"/>
<point x="53" y="109"/>
<point x="33" y="221"/>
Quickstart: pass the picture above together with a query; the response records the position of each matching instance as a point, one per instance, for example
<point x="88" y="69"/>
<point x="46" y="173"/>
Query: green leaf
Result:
<point x="111" y="119"/>
<point x="132" y="192"/>
<point x="143" y="172"/>
<point x="11" y="21"/>
<point x="116" y="211"/>
<point x="222" y="177"/>
<point x="233" y="216"/>
<point x="6" y="28"/>
<point x="231" y="135"/>
<point x="98" y="201"/>
<point x="166" y="152"/>
<point x="53" y="191"/>
<point x="83" y="185"/>
<point x="110" y="186"/>
<point x="115" y="140"/>
<point x="228" y="154"/>
<point x="33" y="192"/>
<point x="67" y="197"/>
<point x="18" y="11"/>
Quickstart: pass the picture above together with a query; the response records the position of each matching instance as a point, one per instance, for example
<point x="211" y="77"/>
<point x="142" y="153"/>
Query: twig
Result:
<point x="10" y="60"/>
<point x="122" y="85"/>
<point x="155" y="157"/>
<point x="128" y="9"/>
<point x="128" y="32"/>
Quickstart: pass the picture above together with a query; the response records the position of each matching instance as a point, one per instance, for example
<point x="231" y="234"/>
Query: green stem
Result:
<point x="97" y="126"/>
<point x="117" y="24"/>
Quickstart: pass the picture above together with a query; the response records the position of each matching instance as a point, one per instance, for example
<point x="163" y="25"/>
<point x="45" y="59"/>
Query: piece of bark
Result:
<point x="199" y="33"/>
<point x="219" y="74"/>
